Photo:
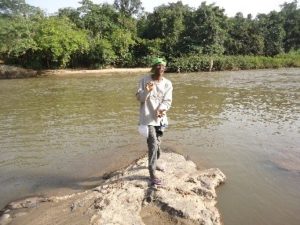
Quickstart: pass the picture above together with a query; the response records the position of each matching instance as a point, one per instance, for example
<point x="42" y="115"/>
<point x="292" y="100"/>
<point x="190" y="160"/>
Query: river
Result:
<point x="61" y="133"/>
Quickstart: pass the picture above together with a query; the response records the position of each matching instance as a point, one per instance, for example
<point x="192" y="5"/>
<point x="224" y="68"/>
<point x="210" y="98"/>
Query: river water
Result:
<point x="62" y="133"/>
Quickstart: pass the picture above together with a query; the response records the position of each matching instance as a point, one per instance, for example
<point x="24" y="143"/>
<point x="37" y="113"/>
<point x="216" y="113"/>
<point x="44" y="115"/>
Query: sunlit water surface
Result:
<point x="63" y="133"/>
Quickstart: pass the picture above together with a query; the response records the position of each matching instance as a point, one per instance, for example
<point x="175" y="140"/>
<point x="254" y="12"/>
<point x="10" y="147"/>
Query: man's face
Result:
<point x="159" y="69"/>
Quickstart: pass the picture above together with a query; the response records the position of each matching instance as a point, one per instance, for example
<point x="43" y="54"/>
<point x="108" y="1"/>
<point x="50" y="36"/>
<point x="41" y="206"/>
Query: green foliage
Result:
<point x="46" y="43"/>
<point x="291" y="15"/>
<point x="166" y="21"/>
<point x="129" y="7"/>
<point x="189" y="64"/>
<point x="16" y="37"/>
<point x="219" y="63"/>
<point x="17" y="8"/>
<point x="100" y="35"/>
<point x="58" y="39"/>
<point x="73" y="15"/>
<point x="121" y="42"/>
<point x="145" y="49"/>
<point x="292" y="59"/>
<point x="271" y="26"/>
<point x="99" y="55"/>
<point x="207" y="29"/>
<point x="17" y="24"/>
<point x="100" y="20"/>
<point x="244" y="37"/>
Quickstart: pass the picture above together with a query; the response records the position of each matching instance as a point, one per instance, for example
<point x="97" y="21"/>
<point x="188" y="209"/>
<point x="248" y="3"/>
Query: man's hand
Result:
<point x="160" y="113"/>
<point x="149" y="86"/>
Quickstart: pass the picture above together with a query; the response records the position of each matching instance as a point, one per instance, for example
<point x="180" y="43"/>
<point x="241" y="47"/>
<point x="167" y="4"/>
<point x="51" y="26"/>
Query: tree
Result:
<point x="121" y="41"/>
<point x="166" y="23"/>
<point x="206" y="30"/>
<point x="271" y="26"/>
<point x="291" y="16"/>
<point x="17" y="38"/>
<point x="145" y="49"/>
<point x="13" y="8"/>
<point x="128" y="7"/>
<point x="244" y="37"/>
<point x="57" y="39"/>
<point x="73" y="15"/>
<point x="101" y="53"/>
<point x="46" y="43"/>
<point x="100" y="20"/>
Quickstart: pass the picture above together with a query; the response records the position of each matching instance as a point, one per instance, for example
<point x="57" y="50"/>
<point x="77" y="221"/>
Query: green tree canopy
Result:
<point x="128" y="7"/>
<point x="121" y="34"/>
<point x="58" y="39"/>
<point x="13" y="8"/>
<point x="244" y="37"/>
<point x="291" y="16"/>
<point x="17" y="36"/>
<point x="206" y="29"/>
<point x="271" y="26"/>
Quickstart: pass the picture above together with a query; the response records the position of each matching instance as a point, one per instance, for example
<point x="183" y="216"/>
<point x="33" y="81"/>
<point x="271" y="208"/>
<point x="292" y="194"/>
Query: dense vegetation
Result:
<point x="123" y="35"/>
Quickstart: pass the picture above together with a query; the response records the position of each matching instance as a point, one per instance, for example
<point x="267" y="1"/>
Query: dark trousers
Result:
<point x="153" y="141"/>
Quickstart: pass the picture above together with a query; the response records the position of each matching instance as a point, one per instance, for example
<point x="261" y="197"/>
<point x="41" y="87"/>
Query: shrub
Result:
<point x="196" y="63"/>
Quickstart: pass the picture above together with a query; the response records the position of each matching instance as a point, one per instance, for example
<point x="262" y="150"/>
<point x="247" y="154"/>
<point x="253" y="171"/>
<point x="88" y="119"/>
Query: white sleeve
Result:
<point x="167" y="99"/>
<point x="142" y="94"/>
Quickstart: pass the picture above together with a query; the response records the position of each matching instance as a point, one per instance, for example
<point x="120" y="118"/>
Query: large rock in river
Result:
<point x="11" y="72"/>
<point x="187" y="195"/>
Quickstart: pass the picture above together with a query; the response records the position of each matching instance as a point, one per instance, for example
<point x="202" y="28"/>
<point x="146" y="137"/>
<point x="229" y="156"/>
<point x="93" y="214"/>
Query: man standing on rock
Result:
<point x="155" y="96"/>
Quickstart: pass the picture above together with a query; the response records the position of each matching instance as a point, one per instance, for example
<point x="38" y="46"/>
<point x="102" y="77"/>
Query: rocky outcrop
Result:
<point x="10" y="72"/>
<point x="186" y="193"/>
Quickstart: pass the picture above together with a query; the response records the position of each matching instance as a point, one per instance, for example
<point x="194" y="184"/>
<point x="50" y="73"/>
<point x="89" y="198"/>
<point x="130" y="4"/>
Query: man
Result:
<point x="155" y="96"/>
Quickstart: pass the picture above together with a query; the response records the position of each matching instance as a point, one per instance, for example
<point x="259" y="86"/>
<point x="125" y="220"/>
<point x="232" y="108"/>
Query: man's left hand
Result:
<point x="160" y="113"/>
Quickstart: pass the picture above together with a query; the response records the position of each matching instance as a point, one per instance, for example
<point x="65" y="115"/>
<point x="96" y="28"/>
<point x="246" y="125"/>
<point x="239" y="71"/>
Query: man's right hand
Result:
<point x="149" y="86"/>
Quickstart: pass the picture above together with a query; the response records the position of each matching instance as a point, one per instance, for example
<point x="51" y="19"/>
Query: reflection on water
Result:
<point x="56" y="132"/>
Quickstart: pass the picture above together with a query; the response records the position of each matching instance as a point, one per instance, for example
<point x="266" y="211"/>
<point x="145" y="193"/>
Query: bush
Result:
<point x="196" y="63"/>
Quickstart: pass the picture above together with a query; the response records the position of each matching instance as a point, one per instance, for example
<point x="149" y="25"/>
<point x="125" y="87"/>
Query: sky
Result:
<point x="231" y="6"/>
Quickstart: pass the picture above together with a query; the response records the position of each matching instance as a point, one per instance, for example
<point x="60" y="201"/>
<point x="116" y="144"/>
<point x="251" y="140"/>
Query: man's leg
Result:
<point x="153" y="145"/>
<point x="158" y="145"/>
<point x="159" y="135"/>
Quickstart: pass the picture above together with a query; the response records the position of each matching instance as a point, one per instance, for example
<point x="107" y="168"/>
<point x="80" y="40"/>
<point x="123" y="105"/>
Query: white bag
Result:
<point x="143" y="130"/>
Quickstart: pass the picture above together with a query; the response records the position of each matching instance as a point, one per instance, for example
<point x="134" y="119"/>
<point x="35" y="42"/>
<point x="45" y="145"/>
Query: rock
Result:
<point x="10" y="72"/>
<point x="5" y="219"/>
<point x="20" y="214"/>
<point x="186" y="194"/>
<point x="31" y="202"/>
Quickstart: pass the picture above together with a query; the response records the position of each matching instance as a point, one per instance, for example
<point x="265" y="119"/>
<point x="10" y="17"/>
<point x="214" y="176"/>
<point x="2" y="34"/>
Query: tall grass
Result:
<point x="198" y="63"/>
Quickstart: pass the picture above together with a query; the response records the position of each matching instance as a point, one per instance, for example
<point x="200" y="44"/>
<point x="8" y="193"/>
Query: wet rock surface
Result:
<point x="12" y="72"/>
<point x="187" y="195"/>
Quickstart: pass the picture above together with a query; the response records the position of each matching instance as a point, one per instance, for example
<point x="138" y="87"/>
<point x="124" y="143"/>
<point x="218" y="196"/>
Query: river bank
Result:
<point x="63" y="72"/>
<point x="13" y="72"/>
<point x="126" y="197"/>
<point x="179" y="65"/>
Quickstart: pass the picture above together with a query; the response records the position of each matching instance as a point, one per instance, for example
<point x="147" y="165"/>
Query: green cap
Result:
<point x="157" y="61"/>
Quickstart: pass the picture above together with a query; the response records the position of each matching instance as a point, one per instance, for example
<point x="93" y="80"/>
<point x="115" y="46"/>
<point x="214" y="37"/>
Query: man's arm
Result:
<point x="143" y="91"/>
<point x="167" y="100"/>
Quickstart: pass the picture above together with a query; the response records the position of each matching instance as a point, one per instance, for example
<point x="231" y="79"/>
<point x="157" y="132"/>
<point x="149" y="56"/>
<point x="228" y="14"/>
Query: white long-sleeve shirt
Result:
<point x="160" y="98"/>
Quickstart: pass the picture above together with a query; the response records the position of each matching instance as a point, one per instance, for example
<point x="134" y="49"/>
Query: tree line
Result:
<point x="123" y="35"/>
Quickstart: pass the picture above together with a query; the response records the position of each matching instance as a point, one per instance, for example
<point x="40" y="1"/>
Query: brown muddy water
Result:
<point x="62" y="133"/>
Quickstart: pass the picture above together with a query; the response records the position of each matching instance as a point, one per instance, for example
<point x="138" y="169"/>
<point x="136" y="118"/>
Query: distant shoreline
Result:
<point x="63" y="72"/>
<point x="14" y="72"/>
